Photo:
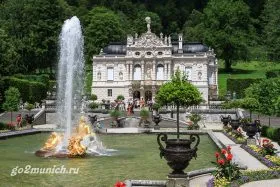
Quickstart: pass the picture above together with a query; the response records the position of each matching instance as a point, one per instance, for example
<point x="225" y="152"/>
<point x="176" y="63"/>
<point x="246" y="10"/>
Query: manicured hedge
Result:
<point x="239" y="85"/>
<point x="271" y="133"/>
<point x="30" y="91"/>
<point x="272" y="74"/>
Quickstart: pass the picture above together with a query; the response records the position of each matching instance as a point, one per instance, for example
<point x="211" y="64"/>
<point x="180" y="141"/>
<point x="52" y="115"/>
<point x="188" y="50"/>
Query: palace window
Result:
<point x="137" y="72"/>
<point x="160" y="73"/>
<point x="110" y="93"/>
<point x="110" y="74"/>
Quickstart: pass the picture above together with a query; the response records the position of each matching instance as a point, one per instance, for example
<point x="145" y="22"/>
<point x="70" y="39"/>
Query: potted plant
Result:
<point x="195" y="118"/>
<point x="115" y="114"/>
<point x="178" y="152"/>
<point x="235" y="123"/>
<point x="144" y="114"/>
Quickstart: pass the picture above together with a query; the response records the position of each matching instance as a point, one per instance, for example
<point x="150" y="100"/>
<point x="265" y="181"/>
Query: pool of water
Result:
<point x="137" y="157"/>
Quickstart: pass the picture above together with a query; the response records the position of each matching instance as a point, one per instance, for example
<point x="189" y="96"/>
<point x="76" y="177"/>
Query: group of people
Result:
<point x="28" y="118"/>
<point x="138" y="103"/>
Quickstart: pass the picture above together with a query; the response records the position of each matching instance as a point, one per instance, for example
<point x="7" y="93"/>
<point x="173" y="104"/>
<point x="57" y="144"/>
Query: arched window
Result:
<point x="160" y="72"/>
<point x="188" y="72"/>
<point x="137" y="72"/>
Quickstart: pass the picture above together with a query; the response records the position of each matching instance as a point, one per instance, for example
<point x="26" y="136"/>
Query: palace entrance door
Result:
<point x="148" y="95"/>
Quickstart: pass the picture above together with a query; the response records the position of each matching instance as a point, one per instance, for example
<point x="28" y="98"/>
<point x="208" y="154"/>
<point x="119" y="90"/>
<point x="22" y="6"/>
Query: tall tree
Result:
<point x="33" y="26"/>
<point x="9" y="58"/>
<point x="12" y="98"/>
<point x="266" y="93"/>
<point x="226" y="26"/>
<point x="102" y="26"/>
<point x="271" y="29"/>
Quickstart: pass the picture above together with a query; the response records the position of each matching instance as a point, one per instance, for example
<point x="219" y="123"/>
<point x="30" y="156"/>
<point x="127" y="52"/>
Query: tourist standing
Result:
<point x="19" y="120"/>
<point x="142" y="103"/>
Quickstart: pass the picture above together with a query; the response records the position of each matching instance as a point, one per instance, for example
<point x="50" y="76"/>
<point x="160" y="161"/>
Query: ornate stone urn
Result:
<point x="225" y="119"/>
<point x="235" y="123"/>
<point x="156" y="119"/>
<point x="178" y="153"/>
<point x="251" y="129"/>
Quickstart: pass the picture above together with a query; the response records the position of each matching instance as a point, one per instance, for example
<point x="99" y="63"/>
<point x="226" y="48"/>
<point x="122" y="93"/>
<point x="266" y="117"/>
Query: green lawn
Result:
<point x="241" y="70"/>
<point x="137" y="158"/>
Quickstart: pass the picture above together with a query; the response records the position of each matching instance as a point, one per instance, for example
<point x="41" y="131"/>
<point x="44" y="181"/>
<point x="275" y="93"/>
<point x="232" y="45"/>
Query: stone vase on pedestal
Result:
<point x="178" y="153"/>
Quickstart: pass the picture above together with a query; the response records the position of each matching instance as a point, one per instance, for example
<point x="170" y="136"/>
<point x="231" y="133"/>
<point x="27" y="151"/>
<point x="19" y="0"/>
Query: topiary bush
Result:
<point x="263" y="130"/>
<point x="3" y="126"/>
<point x="271" y="133"/>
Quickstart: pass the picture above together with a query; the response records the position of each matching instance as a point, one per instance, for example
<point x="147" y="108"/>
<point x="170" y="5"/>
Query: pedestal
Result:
<point x="177" y="182"/>
<point x="156" y="127"/>
<point x="251" y="141"/>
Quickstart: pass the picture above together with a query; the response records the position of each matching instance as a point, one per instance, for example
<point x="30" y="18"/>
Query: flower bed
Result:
<point x="247" y="176"/>
<point x="235" y="140"/>
<point x="260" y="157"/>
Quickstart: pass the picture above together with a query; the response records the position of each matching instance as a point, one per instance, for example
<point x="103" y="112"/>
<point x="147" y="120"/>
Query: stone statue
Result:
<point x="169" y="40"/>
<point x="148" y="20"/>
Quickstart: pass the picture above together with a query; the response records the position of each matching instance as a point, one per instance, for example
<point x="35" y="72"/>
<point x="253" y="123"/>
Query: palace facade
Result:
<point x="138" y="68"/>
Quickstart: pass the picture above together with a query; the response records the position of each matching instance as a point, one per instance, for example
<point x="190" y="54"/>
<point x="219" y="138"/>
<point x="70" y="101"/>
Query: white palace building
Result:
<point x="138" y="68"/>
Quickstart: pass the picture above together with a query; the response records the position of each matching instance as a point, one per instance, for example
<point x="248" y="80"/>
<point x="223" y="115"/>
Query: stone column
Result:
<point x="126" y="77"/>
<point x="142" y="70"/>
<point x="169" y="71"/>
<point x="154" y="70"/>
<point x="130" y="71"/>
<point x="165" y="71"/>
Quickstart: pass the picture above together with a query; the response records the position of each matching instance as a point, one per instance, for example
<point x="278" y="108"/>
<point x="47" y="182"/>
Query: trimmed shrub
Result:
<point x="239" y="85"/>
<point x="30" y="91"/>
<point x="272" y="74"/>
<point x="3" y="126"/>
<point x="93" y="105"/>
<point x="263" y="130"/>
<point x="271" y="133"/>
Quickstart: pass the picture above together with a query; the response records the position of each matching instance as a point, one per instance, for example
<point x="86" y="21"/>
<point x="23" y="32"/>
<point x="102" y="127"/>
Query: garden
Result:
<point x="136" y="157"/>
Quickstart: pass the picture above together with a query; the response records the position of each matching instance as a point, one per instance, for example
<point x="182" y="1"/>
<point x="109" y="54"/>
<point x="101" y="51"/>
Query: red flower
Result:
<point x="223" y="151"/>
<point x="120" y="184"/>
<point x="228" y="148"/>
<point x="217" y="155"/>
<point x="221" y="162"/>
<point x="229" y="157"/>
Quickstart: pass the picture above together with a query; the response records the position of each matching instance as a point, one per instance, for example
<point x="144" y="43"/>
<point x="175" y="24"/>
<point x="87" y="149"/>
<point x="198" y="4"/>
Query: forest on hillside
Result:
<point x="236" y="29"/>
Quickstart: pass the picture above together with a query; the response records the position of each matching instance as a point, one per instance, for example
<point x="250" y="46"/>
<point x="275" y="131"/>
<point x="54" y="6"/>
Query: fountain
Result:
<point x="80" y="141"/>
